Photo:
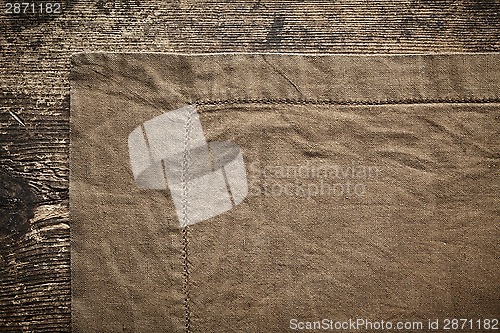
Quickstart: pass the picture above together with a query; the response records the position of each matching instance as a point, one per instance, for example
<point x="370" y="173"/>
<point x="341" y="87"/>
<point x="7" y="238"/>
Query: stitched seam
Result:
<point x="301" y="102"/>
<point x="187" y="308"/>
<point x="185" y="220"/>
<point x="346" y="102"/>
<point x="185" y="163"/>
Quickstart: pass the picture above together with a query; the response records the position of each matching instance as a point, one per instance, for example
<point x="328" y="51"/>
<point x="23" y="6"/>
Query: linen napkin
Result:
<point x="274" y="192"/>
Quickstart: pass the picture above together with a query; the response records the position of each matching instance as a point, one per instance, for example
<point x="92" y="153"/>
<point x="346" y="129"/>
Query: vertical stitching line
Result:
<point x="187" y="308"/>
<point x="185" y="163"/>
<point x="185" y="220"/>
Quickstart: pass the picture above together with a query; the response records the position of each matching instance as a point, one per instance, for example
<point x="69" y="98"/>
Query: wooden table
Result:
<point x="34" y="102"/>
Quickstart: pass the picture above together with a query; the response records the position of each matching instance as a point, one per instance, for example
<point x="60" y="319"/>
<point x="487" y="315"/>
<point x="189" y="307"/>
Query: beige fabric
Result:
<point x="417" y="239"/>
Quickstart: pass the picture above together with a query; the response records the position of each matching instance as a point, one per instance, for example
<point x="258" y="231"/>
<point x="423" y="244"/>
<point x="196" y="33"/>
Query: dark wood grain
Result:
<point x="34" y="222"/>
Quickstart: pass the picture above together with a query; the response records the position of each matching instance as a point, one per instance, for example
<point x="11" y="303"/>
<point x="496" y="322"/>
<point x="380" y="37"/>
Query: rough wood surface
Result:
<point x="34" y="99"/>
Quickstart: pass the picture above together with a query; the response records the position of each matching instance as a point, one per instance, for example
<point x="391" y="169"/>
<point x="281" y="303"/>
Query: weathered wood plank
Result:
<point x="34" y="229"/>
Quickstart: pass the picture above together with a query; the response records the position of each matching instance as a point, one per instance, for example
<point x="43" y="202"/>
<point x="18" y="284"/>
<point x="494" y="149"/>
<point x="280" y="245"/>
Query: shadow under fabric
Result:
<point x="371" y="191"/>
